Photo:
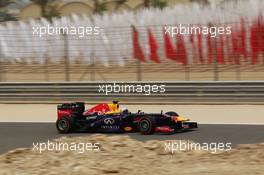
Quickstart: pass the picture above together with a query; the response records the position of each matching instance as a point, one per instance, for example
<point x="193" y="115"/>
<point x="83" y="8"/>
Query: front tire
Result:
<point x="64" y="125"/>
<point x="147" y="125"/>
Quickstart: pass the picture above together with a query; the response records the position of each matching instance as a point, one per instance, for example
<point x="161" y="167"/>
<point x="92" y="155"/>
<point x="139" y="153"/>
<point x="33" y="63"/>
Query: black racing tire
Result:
<point x="147" y="125"/>
<point x="172" y="113"/>
<point x="65" y="125"/>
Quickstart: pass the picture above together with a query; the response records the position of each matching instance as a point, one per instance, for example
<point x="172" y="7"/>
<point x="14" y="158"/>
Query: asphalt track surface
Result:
<point x="16" y="135"/>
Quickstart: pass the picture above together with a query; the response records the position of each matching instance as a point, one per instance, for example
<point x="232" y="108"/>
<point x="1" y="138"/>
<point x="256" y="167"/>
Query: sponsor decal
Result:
<point x="110" y="127"/>
<point x="109" y="121"/>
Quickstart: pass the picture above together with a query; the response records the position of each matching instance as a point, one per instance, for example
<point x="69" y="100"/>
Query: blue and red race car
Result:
<point x="72" y="117"/>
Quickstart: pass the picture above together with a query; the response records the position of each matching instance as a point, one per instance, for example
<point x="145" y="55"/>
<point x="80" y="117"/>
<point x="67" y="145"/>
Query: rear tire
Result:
<point x="147" y="125"/>
<point x="64" y="125"/>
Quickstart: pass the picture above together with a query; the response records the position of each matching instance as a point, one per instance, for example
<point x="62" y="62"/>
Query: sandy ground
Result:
<point x="204" y="114"/>
<point x="123" y="155"/>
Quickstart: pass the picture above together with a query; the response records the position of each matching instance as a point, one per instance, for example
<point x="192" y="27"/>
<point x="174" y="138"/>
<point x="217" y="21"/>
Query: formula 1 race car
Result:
<point x="104" y="117"/>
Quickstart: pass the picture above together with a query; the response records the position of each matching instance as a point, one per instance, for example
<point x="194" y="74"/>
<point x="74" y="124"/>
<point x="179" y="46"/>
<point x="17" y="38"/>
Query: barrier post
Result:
<point x="1" y="70"/>
<point x="238" y="67"/>
<point x="187" y="72"/>
<point x="92" y="62"/>
<point x="92" y="56"/>
<point x="216" y="68"/>
<point x="139" y="71"/>
<point x="46" y="69"/>
<point x="216" y="71"/>
<point x="66" y="58"/>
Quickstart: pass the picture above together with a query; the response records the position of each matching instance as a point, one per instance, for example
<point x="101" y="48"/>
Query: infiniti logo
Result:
<point x="109" y="121"/>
